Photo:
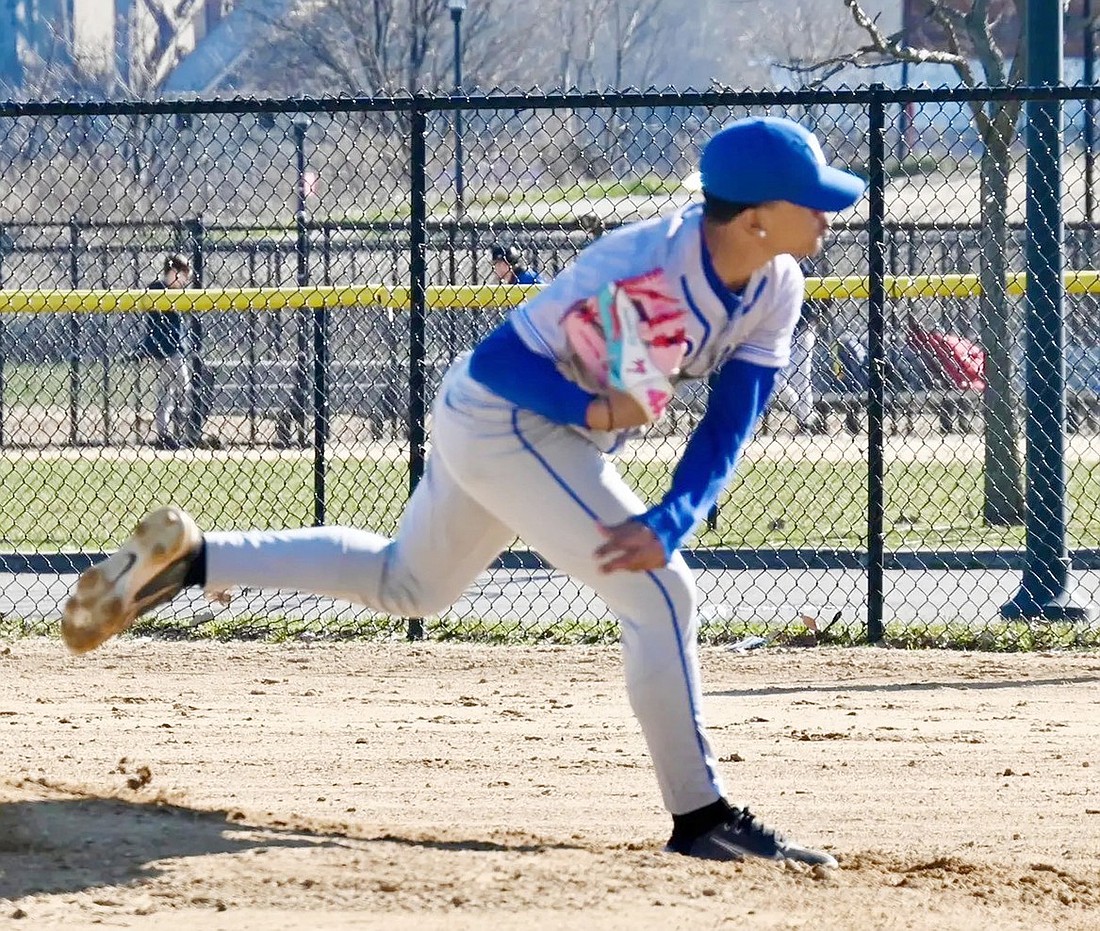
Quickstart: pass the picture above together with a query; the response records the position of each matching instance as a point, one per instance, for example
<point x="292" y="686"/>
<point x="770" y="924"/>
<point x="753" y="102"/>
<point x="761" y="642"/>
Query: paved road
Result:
<point x="534" y="599"/>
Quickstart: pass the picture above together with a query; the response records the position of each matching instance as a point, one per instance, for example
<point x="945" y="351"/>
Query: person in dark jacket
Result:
<point x="510" y="267"/>
<point x="165" y="343"/>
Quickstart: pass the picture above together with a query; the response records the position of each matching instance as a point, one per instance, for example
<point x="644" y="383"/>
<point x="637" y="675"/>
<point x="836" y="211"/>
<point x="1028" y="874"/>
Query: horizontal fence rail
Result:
<point x="462" y="297"/>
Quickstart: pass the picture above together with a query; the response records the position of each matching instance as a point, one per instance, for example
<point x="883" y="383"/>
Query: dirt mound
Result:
<point x="154" y="785"/>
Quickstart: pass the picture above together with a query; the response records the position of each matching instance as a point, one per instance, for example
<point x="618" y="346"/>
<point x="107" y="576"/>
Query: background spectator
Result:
<point x="510" y="267"/>
<point x="166" y="344"/>
<point x="795" y="387"/>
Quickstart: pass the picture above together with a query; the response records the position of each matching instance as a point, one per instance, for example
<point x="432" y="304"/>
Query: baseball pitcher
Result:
<point x="521" y="431"/>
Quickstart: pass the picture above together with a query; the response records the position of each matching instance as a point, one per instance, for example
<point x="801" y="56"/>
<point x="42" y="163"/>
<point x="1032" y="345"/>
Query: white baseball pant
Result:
<point x="795" y="388"/>
<point x="496" y="471"/>
<point x="171" y="384"/>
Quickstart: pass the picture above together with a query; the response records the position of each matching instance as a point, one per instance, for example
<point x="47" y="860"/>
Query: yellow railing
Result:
<point x="475" y="297"/>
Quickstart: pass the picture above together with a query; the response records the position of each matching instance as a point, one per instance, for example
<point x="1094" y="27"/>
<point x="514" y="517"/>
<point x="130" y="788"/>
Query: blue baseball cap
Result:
<point x="758" y="159"/>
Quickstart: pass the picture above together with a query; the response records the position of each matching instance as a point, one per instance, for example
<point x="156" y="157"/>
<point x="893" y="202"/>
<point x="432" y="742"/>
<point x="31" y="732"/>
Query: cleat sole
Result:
<point x="146" y="571"/>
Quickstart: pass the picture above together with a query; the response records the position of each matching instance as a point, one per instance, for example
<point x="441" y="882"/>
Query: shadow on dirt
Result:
<point x="69" y="845"/>
<point x="851" y="688"/>
<point x="66" y="845"/>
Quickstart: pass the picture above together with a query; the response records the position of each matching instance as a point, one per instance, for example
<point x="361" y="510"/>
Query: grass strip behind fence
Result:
<point x="86" y="503"/>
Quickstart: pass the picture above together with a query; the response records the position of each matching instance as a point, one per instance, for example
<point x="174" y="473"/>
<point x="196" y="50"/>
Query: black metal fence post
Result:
<point x="326" y="252"/>
<point x="876" y="351"/>
<point x="321" y="386"/>
<point x="1088" y="53"/>
<point x="252" y="386"/>
<point x="418" y="307"/>
<point x="3" y="356"/>
<point x="74" y="336"/>
<point x="201" y="378"/>
<point x="105" y="356"/>
<point x="196" y="238"/>
<point x="321" y="394"/>
<point x="1044" y="589"/>
<point x="301" y="251"/>
<point x="320" y="411"/>
<point x="5" y="243"/>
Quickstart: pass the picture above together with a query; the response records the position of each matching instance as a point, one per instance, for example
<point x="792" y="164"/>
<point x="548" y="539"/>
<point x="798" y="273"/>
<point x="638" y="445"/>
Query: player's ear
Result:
<point x="751" y="221"/>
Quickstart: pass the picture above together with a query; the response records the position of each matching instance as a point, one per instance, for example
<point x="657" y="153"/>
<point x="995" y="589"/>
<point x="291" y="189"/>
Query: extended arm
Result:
<point x="738" y="398"/>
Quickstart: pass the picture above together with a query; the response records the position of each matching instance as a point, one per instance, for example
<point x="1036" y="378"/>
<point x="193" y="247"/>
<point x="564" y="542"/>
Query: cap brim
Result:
<point x="835" y="190"/>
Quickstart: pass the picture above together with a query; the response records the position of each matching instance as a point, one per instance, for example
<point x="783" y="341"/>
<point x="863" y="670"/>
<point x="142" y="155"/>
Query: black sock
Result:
<point x="687" y="827"/>
<point x="196" y="569"/>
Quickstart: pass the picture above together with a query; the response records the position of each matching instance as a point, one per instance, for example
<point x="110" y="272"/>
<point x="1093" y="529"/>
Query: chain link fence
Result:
<point x="343" y="251"/>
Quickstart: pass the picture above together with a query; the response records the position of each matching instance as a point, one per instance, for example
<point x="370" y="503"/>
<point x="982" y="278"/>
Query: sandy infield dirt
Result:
<point x="443" y="786"/>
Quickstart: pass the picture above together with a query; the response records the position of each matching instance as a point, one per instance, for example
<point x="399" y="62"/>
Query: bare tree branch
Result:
<point x="979" y="28"/>
<point x="881" y="49"/>
<point x="823" y="70"/>
<point x="890" y="47"/>
<point x="804" y="37"/>
<point x="1004" y="122"/>
<point x="316" y="40"/>
<point x="630" y="27"/>
<point x="952" y="20"/>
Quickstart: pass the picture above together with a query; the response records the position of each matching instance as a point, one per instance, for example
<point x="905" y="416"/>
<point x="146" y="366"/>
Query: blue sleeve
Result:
<point x="503" y="364"/>
<point x="738" y="398"/>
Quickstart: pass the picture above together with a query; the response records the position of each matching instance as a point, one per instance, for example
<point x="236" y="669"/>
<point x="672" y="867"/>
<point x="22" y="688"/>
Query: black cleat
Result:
<point x="745" y="835"/>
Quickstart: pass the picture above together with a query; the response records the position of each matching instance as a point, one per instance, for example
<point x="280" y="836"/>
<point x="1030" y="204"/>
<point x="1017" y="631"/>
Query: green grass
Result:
<point x="914" y="166"/>
<point x="645" y="186"/>
<point x="49" y="383"/>
<point x="823" y="505"/>
<point x="86" y="502"/>
<point x="388" y="214"/>
<point x="997" y="636"/>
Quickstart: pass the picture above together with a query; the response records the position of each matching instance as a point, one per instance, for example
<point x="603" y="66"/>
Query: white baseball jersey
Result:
<point x="690" y="320"/>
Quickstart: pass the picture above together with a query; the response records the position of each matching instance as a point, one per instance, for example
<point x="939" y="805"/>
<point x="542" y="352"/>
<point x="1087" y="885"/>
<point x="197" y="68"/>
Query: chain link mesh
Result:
<point x="284" y="416"/>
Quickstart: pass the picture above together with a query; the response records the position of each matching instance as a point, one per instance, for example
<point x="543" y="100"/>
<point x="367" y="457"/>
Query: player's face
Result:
<point x="177" y="278"/>
<point x="792" y="229"/>
<point x="502" y="270"/>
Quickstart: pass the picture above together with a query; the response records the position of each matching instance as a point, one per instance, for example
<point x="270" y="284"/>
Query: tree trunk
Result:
<point x="123" y="52"/>
<point x="1004" y="497"/>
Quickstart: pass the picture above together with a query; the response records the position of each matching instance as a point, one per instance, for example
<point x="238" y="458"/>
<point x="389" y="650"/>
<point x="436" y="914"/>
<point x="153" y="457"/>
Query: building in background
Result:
<point x="123" y="47"/>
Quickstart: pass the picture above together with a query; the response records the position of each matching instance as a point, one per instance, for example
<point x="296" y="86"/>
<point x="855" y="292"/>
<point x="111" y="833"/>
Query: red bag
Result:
<point x="961" y="361"/>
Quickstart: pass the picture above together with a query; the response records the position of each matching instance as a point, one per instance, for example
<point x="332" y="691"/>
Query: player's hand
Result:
<point x="616" y="410"/>
<point x="630" y="546"/>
